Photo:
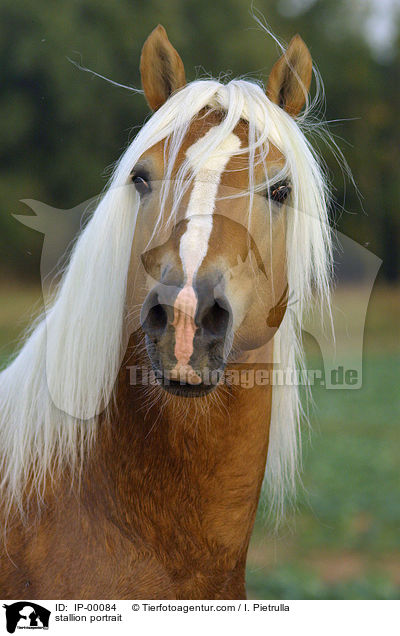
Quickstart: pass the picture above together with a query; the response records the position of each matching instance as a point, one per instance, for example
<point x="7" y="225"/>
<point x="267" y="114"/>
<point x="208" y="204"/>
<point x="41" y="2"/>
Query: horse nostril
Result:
<point x="216" y="319"/>
<point x="156" y="320"/>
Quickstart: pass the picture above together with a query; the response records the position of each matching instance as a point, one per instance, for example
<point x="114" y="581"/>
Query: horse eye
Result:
<point x="279" y="192"/>
<point x="141" y="184"/>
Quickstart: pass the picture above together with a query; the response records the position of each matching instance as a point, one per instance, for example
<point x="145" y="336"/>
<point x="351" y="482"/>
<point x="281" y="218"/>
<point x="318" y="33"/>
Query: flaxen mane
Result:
<point x="63" y="376"/>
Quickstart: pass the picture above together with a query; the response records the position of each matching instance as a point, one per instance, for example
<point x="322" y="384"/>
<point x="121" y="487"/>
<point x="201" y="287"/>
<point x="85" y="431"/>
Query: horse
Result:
<point x="139" y="421"/>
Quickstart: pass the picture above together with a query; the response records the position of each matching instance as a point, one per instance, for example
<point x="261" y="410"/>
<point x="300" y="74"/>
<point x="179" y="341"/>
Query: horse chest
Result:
<point x="67" y="556"/>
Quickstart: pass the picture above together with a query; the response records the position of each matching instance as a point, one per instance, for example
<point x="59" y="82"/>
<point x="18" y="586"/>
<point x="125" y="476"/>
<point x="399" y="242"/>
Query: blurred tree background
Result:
<point x="61" y="128"/>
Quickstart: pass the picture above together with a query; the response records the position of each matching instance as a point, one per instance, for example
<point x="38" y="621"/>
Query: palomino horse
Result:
<point x="210" y="240"/>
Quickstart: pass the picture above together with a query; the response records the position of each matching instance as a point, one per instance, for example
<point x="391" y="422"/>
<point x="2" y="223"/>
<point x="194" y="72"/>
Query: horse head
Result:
<point x="214" y="203"/>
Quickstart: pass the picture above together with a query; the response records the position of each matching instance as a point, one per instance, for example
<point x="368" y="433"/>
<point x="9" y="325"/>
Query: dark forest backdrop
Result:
<point x="60" y="128"/>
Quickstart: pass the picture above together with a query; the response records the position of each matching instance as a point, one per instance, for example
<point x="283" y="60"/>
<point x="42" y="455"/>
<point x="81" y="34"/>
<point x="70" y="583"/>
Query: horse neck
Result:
<point x="195" y="464"/>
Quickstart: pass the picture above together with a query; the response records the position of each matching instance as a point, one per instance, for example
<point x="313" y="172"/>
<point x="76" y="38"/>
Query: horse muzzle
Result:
<point x="188" y="333"/>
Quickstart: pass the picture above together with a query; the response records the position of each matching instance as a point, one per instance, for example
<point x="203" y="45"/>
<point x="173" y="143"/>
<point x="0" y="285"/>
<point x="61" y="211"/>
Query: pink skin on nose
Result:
<point x="184" y="325"/>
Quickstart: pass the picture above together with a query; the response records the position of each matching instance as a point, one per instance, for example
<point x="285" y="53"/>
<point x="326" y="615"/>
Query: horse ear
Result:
<point x="290" y="78"/>
<point x="161" y="68"/>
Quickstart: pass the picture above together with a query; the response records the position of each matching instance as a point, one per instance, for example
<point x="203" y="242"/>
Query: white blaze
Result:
<point x="194" y="243"/>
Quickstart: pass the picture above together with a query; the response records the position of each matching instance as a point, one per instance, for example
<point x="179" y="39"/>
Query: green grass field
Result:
<point x="343" y="541"/>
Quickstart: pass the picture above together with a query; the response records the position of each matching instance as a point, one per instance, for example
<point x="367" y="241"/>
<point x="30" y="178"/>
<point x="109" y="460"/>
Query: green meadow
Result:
<point x="343" y="540"/>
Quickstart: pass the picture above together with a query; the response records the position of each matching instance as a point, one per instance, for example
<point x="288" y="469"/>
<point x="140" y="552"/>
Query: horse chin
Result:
<point x="210" y="377"/>
<point x="180" y="388"/>
<point x="187" y="390"/>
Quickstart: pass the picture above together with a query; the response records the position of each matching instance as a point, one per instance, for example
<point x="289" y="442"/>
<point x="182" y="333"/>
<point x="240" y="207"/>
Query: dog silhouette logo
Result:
<point x="26" y="615"/>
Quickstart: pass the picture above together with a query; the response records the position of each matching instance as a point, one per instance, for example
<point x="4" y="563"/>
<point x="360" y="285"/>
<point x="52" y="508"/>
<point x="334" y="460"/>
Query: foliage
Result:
<point x="61" y="129"/>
